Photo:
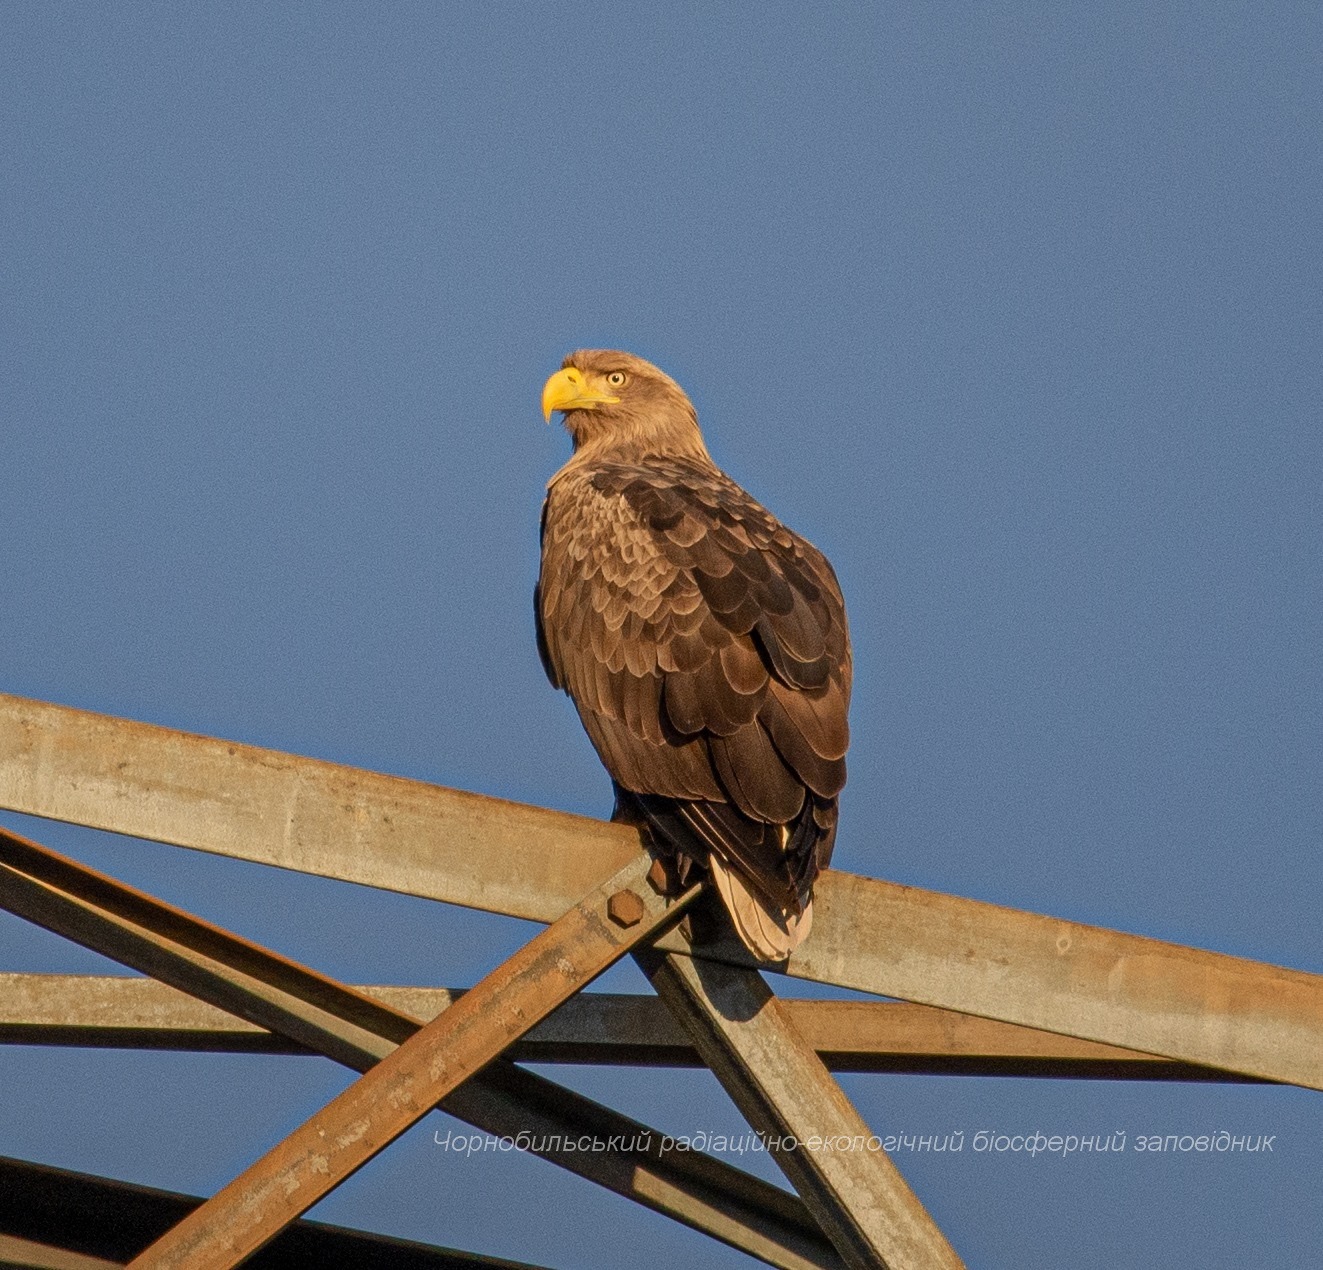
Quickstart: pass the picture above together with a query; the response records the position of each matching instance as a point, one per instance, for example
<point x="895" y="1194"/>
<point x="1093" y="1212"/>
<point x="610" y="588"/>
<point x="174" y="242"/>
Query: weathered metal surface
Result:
<point x="409" y="1081"/>
<point x="358" y="1030"/>
<point x="297" y="813"/>
<point x="1084" y="981"/>
<point x="784" y="1091"/>
<point x="47" y="1214"/>
<point x="591" y="1028"/>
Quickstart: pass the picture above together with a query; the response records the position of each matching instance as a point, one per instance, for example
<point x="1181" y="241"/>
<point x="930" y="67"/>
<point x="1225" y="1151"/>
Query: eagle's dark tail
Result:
<point x="763" y="872"/>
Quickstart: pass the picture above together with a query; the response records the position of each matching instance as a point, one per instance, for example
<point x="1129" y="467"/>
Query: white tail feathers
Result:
<point x="770" y="936"/>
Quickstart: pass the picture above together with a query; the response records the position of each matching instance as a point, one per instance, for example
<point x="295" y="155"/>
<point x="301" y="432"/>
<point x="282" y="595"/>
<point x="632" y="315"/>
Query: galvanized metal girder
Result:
<point x="409" y="1081"/>
<point x="358" y="1030"/>
<point x="1084" y="981"/>
<point x="857" y="1194"/>
<point x="115" y="1011"/>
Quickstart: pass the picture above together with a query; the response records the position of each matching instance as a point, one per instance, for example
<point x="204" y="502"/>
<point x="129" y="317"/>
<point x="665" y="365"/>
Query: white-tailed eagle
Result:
<point x="703" y="642"/>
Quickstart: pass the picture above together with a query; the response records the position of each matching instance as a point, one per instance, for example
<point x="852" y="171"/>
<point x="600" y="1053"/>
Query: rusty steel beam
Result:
<point x="383" y="1103"/>
<point x="355" y="1029"/>
<point x="770" y="1072"/>
<point x="1179" y="1003"/>
<point x="599" y="1028"/>
<point x="54" y="1219"/>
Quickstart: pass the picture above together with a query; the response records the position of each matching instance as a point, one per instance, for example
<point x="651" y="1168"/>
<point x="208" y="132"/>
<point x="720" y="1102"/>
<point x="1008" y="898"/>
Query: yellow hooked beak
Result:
<point x="568" y="389"/>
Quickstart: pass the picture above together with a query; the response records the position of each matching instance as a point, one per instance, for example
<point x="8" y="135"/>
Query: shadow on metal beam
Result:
<point x="78" y="1213"/>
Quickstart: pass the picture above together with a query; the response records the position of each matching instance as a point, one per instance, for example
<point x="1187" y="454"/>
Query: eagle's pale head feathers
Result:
<point x="617" y="403"/>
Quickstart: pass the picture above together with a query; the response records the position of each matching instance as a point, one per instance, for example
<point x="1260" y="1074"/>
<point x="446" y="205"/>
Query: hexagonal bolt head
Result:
<point x="659" y="877"/>
<point x="625" y="908"/>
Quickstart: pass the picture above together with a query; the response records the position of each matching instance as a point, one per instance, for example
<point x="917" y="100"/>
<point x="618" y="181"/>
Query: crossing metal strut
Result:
<point x="978" y="988"/>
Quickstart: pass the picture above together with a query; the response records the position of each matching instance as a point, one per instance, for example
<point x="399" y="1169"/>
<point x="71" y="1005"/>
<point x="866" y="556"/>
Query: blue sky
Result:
<point x="1014" y="312"/>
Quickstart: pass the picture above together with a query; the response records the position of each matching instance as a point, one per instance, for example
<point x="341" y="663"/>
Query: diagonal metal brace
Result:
<point x="358" y="1030"/>
<point x="785" y="1092"/>
<point x="1184" y="1004"/>
<point x="401" y="1089"/>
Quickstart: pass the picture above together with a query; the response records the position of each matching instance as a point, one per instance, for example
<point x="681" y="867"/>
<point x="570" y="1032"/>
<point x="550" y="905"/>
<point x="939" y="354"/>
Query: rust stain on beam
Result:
<point x="409" y="1081"/>
<point x="1179" y="1003"/>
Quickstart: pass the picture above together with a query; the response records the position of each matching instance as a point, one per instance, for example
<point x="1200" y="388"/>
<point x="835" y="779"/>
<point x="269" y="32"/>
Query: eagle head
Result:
<point x="617" y="403"/>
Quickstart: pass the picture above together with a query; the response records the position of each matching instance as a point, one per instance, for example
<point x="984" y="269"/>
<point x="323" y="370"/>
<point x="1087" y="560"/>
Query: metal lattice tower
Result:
<point x="980" y="989"/>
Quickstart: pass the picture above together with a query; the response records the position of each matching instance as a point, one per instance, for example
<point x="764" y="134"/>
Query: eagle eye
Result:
<point x="617" y="379"/>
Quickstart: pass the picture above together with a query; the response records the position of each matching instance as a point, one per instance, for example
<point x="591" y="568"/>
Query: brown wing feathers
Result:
<point x="694" y="630"/>
<point x="706" y="649"/>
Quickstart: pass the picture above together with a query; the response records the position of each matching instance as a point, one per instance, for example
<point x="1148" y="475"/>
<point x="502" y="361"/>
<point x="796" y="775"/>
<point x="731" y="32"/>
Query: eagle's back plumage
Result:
<point x="706" y="649"/>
